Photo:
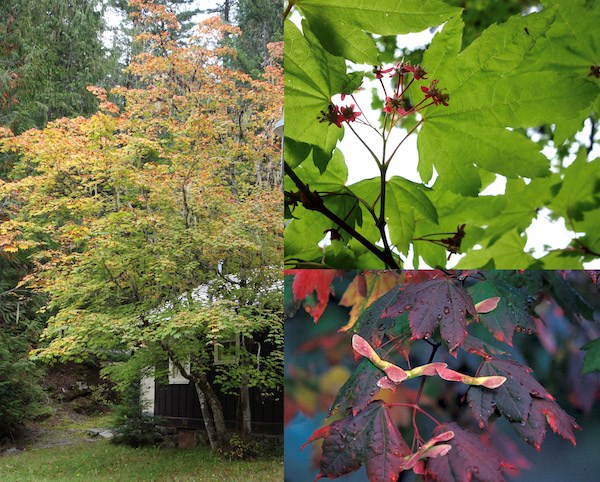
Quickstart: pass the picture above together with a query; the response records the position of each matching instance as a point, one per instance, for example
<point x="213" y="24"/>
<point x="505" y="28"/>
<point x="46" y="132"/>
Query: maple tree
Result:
<point x="153" y="225"/>
<point x="475" y="107"/>
<point x="475" y="367"/>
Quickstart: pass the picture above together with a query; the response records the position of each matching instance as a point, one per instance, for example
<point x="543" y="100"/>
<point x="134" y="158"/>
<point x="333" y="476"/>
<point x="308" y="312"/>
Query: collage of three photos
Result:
<point x="426" y="309"/>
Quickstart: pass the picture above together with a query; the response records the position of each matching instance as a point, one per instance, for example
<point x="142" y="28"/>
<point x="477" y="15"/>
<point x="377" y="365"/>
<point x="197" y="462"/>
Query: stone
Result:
<point x="11" y="451"/>
<point x="107" y="434"/>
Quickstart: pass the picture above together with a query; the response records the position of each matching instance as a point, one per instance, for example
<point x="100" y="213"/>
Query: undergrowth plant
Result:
<point x="462" y="335"/>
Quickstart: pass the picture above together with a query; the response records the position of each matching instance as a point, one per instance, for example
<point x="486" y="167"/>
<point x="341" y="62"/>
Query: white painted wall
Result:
<point x="147" y="384"/>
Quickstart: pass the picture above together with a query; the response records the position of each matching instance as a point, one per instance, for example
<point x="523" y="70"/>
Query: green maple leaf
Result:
<point x="591" y="361"/>
<point x="312" y="77"/>
<point x="489" y="93"/>
<point x="343" y="26"/>
<point x="571" y="47"/>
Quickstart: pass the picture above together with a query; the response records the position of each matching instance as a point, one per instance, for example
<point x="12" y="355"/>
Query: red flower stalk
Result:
<point x="395" y="104"/>
<point x="432" y="92"/>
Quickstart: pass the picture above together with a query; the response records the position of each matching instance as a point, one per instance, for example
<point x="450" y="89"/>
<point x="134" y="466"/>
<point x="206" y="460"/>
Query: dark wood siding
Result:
<point x="179" y="405"/>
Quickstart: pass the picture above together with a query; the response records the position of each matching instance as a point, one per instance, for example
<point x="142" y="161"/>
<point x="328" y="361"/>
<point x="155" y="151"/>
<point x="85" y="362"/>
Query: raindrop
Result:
<point x="476" y="470"/>
<point x="446" y="310"/>
<point x="518" y="329"/>
<point x="342" y="446"/>
<point x="529" y="331"/>
<point x="461" y="278"/>
<point x="439" y="317"/>
<point x="530" y="299"/>
<point x="408" y="307"/>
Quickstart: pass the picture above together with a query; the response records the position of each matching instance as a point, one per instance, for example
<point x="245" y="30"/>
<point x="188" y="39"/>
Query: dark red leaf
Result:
<point x="361" y="386"/>
<point x="373" y="327"/>
<point x="474" y="345"/>
<point x="512" y="399"/>
<point x="469" y="458"/>
<point x="442" y="303"/>
<point x="309" y="281"/>
<point x="512" y="312"/>
<point x="533" y="430"/>
<point x="370" y="437"/>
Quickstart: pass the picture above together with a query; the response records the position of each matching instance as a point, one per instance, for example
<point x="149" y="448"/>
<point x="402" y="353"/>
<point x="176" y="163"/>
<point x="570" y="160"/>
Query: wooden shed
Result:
<point x="177" y="403"/>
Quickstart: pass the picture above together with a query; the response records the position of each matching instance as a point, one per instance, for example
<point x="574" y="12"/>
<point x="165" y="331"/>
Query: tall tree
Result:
<point x="50" y="51"/>
<point x="261" y="23"/>
<point x="20" y="327"/>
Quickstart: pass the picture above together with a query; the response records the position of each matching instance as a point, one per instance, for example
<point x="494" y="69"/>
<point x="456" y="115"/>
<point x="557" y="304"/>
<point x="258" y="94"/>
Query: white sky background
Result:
<point x="542" y="233"/>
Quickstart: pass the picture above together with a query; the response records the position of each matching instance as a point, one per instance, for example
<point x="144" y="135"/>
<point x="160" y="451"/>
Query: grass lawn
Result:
<point x="102" y="460"/>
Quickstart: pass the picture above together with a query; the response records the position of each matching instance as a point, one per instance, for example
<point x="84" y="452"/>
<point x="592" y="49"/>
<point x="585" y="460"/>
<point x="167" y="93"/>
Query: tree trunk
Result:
<point x="212" y="411"/>
<point x="213" y="439"/>
<point x="215" y="405"/>
<point x="244" y="404"/>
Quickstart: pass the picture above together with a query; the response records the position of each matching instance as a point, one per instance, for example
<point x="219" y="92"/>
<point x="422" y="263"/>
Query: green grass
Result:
<point x="102" y="461"/>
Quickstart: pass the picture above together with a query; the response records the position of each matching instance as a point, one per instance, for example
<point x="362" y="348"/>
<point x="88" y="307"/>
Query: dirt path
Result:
<point x="63" y="428"/>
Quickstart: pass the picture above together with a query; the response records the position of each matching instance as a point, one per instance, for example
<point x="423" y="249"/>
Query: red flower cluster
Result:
<point x="395" y="104"/>
<point x="337" y="114"/>
<point x="432" y="92"/>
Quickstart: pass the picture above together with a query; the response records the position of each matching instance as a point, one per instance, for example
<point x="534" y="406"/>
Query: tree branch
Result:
<point x="316" y="204"/>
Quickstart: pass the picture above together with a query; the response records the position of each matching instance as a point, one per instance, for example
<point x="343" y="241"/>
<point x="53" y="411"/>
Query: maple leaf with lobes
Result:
<point x="512" y="399"/>
<point x="442" y="303"/>
<point x="468" y="459"/>
<point x="369" y="437"/>
<point x="307" y="281"/>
